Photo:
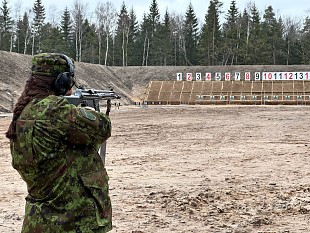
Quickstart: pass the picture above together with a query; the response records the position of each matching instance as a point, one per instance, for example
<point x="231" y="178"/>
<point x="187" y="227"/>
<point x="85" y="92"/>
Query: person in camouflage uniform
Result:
<point x="54" y="147"/>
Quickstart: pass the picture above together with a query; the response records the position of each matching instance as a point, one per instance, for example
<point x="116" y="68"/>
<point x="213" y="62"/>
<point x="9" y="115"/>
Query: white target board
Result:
<point x="268" y="76"/>
<point x="247" y="76"/>
<point x="274" y="76"/>
<point x="189" y="76"/>
<point x="227" y="76"/>
<point x="279" y="75"/>
<point x="218" y="76"/>
<point x="291" y="75"/>
<point x="301" y="76"/>
<point x="198" y="76"/>
<point x="307" y="75"/>
<point x="179" y="76"/>
<point x="285" y="75"/>
<point x="208" y="77"/>
<point x="237" y="76"/>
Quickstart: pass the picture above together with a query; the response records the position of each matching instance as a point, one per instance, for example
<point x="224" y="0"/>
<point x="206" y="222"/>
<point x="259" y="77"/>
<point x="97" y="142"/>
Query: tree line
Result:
<point x="117" y="38"/>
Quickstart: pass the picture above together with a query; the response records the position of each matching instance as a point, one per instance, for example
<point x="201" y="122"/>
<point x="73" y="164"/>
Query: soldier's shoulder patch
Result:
<point x="87" y="114"/>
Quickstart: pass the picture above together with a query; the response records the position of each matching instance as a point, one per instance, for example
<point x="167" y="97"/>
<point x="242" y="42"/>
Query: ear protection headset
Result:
<point x="65" y="80"/>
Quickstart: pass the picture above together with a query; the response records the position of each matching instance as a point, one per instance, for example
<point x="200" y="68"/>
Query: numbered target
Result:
<point x="218" y="76"/>
<point x="301" y="75"/>
<point x="179" y="76"/>
<point x="189" y="76"/>
<point x="247" y="76"/>
<point x="227" y="76"/>
<point x="208" y="77"/>
<point x="198" y="76"/>
<point x="280" y="75"/>
<point x="237" y="76"/>
<point x="268" y="76"/>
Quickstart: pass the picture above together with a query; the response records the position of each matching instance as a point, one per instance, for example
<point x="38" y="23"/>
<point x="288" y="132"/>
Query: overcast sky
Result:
<point x="292" y="8"/>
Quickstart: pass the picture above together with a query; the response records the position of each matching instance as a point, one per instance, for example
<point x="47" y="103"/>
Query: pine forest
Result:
<point x="115" y="37"/>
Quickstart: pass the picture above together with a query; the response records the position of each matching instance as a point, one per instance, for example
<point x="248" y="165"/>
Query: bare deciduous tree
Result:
<point x="106" y="16"/>
<point x="54" y="15"/>
<point x="16" y="17"/>
<point x="291" y="29"/>
<point x="78" y="15"/>
<point x="99" y="16"/>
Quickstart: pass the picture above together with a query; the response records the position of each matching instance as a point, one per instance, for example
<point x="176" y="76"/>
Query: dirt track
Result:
<point x="197" y="169"/>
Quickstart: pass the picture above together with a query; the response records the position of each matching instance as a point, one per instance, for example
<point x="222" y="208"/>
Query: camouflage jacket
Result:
<point x="56" y="154"/>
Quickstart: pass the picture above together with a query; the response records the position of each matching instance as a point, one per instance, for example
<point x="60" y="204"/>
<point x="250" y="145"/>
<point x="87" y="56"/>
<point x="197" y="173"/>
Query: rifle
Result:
<point x="90" y="97"/>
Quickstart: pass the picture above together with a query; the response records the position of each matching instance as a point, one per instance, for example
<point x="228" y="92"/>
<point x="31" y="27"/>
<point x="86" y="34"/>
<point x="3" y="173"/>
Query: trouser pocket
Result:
<point x="97" y="186"/>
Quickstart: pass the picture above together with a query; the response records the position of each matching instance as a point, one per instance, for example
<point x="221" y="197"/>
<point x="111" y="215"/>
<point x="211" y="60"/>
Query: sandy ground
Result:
<point x="196" y="169"/>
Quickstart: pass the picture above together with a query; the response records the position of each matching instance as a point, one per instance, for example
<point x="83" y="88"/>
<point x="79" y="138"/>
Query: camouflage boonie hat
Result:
<point x="51" y="64"/>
